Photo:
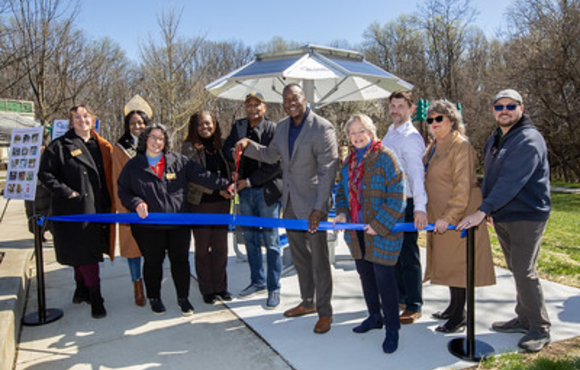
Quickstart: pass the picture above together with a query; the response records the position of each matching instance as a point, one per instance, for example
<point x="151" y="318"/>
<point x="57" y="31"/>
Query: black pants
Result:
<point x="379" y="288"/>
<point x="211" y="249"/>
<point x="153" y="243"/>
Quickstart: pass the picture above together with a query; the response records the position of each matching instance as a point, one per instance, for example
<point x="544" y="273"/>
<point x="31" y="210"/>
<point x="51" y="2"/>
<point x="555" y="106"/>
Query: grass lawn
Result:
<point x="559" y="261"/>
<point x="565" y="184"/>
<point x="559" y="258"/>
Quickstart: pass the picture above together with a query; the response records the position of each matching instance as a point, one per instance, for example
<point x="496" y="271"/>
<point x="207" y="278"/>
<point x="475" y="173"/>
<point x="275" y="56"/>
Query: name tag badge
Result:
<point x="170" y="176"/>
<point x="76" y="152"/>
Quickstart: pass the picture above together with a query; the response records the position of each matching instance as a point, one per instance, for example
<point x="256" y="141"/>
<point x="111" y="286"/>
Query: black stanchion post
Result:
<point x="469" y="348"/>
<point x="43" y="315"/>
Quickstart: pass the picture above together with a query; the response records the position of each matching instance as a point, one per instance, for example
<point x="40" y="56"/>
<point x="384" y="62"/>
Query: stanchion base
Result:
<point x="458" y="347"/>
<point x="33" y="318"/>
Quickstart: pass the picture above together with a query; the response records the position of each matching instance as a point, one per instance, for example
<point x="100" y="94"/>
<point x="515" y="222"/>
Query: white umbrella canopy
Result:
<point x="327" y="75"/>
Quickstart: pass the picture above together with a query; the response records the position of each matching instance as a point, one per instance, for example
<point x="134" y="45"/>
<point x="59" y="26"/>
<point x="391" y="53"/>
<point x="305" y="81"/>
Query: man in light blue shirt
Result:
<point x="409" y="147"/>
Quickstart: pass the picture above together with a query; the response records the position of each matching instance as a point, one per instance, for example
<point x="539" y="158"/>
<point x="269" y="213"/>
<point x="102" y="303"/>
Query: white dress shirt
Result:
<point x="409" y="147"/>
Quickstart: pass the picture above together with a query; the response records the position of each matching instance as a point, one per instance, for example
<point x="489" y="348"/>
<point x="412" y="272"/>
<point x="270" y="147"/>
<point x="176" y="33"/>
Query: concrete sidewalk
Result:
<point x="17" y="247"/>
<point x="242" y="334"/>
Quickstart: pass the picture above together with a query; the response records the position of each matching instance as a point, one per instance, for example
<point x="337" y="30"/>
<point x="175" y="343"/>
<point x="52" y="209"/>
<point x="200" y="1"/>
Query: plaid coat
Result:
<point x="383" y="205"/>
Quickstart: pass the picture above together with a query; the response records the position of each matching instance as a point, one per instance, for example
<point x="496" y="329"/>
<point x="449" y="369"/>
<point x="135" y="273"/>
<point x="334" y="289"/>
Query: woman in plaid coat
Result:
<point x="371" y="191"/>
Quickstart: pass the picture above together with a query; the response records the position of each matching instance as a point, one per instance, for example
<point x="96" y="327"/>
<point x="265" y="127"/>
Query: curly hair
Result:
<point x="126" y="138"/>
<point x="193" y="134"/>
<point x="449" y="110"/>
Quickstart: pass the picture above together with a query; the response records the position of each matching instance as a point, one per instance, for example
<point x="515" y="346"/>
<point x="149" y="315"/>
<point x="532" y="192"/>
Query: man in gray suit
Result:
<point x="305" y="144"/>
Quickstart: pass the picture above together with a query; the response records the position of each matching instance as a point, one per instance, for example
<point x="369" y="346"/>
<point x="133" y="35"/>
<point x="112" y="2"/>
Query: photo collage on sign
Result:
<point x="25" y="151"/>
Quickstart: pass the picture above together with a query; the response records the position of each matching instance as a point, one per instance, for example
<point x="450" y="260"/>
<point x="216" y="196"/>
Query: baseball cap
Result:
<point x="509" y="93"/>
<point x="255" y="95"/>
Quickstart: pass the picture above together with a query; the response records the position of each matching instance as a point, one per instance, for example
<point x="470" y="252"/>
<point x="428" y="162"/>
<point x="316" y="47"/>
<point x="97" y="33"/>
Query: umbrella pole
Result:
<point x="308" y="88"/>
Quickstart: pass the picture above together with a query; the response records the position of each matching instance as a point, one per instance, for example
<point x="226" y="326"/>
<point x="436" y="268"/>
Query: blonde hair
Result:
<point x="365" y="121"/>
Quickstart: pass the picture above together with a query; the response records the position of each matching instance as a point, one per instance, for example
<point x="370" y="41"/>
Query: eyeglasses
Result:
<point x="158" y="139"/>
<point x="356" y="133"/>
<point x="500" y="107"/>
<point x="436" y="119"/>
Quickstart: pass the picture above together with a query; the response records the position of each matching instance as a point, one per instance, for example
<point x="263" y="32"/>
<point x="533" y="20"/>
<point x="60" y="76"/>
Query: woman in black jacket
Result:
<point x="155" y="180"/>
<point x="203" y="145"/>
<point x="76" y="168"/>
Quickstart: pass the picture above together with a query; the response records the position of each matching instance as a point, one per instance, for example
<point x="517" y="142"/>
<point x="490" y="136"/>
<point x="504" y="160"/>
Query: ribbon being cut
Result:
<point x="221" y="219"/>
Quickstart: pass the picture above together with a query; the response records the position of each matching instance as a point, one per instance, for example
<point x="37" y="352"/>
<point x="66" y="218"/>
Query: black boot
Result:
<point x="97" y="307"/>
<point x="457" y="318"/>
<point x="81" y="293"/>
<point x="446" y="313"/>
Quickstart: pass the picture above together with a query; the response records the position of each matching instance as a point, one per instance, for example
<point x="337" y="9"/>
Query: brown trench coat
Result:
<point x="454" y="193"/>
<point x="127" y="244"/>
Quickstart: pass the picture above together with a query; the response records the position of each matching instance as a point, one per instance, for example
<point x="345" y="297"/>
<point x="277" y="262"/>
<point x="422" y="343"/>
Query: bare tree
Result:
<point x="446" y="26"/>
<point x="542" y="59"/>
<point x="170" y="77"/>
<point x="399" y="47"/>
<point x="40" y="30"/>
<point x="276" y="43"/>
<point x="217" y="59"/>
<point x="109" y="83"/>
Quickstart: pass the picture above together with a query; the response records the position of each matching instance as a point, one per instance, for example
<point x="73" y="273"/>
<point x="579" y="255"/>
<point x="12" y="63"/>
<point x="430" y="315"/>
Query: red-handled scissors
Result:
<point x="236" y="175"/>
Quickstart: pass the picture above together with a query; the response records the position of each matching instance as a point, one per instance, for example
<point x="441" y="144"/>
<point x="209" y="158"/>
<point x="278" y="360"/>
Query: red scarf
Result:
<point x="355" y="176"/>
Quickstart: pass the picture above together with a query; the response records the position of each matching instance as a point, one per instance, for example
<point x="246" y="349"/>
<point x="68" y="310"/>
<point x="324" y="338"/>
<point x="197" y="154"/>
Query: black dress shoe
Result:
<point x="209" y="298"/>
<point x="451" y="328"/>
<point x="225" y="295"/>
<point x="441" y="315"/>
<point x="370" y="323"/>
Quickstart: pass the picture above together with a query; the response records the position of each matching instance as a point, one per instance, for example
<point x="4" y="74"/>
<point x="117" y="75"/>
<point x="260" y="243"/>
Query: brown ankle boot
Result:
<point x="139" y="296"/>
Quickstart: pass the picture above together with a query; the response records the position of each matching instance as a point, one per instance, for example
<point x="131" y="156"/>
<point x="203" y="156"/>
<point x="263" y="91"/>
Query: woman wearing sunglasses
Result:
<point x="453" y="192"/>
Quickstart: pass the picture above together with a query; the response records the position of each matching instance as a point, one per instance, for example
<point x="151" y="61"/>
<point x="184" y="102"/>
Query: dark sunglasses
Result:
<point x="436" y="119"/>
<point x="500" y="107"/>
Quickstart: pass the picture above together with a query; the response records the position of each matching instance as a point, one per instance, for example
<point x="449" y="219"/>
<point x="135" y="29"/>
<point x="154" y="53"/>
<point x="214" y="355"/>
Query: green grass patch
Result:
<point x="563" y="184"/>
<point x="559" y="258"/>
<point x="517" y="361"/>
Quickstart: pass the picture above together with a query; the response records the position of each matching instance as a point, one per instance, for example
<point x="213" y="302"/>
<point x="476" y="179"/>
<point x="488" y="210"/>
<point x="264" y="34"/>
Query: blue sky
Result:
<point x="130" y="22"/>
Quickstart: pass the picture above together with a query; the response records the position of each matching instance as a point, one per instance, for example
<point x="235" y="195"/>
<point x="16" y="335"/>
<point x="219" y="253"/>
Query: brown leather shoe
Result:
<point x="299" y="311"/>
<point x="323" y="324"/>
<point x="139" y="295"/>
<point x="409" y="317"/>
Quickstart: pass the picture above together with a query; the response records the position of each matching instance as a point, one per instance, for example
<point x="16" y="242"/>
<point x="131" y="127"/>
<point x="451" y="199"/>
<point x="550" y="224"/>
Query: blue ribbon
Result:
<point x="221" y="219"/>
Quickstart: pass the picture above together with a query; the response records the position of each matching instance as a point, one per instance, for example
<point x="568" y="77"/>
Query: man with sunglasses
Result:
<point x="409" y="147"/>
<point x="516" y="195"/>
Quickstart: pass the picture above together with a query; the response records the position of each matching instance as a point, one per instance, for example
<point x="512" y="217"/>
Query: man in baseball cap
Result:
<point x="260" y="190"/>
<point x="516" y="194"/>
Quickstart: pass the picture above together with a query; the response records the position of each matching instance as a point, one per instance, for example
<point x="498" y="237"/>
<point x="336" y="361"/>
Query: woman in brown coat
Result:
<point x="453" y="192"/>
<point x="136" y="120"/>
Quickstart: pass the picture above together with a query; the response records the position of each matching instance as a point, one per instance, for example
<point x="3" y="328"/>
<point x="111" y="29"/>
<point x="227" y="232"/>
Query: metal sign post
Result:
<point x="43" y="315"/>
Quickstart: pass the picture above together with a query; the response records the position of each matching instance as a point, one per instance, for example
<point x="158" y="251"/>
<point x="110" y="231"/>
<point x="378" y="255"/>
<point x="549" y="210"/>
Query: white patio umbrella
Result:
<point x="327" y="75"/>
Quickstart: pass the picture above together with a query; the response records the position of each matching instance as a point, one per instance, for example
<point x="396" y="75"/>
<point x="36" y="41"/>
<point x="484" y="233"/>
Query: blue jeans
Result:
<point x="135" y="268"/>
<point x="408" y="268"/>
<point x="252" y="203"/>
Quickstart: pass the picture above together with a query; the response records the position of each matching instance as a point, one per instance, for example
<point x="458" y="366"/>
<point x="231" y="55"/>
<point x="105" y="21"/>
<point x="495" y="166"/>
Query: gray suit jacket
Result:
<point x="309" y="175"/>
